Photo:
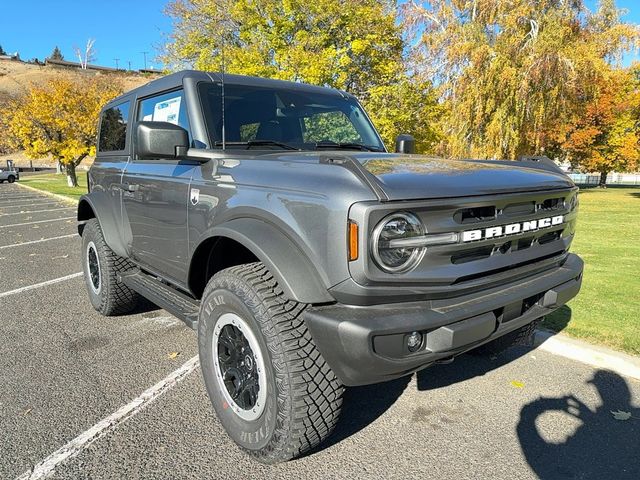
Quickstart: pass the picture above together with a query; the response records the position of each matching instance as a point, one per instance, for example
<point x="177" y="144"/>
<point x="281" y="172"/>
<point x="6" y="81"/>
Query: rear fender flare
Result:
<point x="100" y="206"/>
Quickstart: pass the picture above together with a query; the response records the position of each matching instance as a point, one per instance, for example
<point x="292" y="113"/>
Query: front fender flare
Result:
<point x="99" y="205"/>
<point x="295" y="273"/>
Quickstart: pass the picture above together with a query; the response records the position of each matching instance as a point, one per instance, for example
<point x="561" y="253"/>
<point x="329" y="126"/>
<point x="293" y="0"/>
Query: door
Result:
<point x="155" y="197"/>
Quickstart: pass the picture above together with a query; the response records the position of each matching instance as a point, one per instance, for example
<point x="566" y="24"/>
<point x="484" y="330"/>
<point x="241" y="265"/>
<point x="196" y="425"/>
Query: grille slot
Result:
<point x="519" y="209"/>
<point x="549" y="237"/>
<point x="525" y="243"/>
<point x="471" y="255"/>
<point x="552" y="204"/>
<point x="475" y="215"/>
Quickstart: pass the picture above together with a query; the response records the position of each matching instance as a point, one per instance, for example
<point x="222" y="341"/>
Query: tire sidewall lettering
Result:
<point x="251" y="434"/>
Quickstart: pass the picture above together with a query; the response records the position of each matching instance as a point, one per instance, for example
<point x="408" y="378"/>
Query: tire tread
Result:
<point x="307" y="387"/>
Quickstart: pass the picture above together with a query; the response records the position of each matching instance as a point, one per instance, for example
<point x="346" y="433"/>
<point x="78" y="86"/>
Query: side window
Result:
<point x="113" y="128"/>
<point x="329" y="125"/>
<point x="168" y="107"/>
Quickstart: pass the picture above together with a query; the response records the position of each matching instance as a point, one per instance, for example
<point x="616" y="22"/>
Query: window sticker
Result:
<point x="167" y="111"/>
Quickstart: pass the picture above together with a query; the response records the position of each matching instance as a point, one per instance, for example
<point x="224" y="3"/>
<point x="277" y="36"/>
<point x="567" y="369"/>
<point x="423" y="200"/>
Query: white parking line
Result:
<point x="39" y="221"/>
<point x="21" y="202"/>
<point x="2" y="205"/>
<point x="41" y="284"/>
<point x="47" y="466"/>
<point x="37" y="211"/>
<point x="22" y="197"/>
<point x="38" y="241"/>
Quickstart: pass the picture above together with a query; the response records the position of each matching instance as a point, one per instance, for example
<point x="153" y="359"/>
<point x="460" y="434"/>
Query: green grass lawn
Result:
<point x="607" y="310"/>
<point x="55" y="183"/>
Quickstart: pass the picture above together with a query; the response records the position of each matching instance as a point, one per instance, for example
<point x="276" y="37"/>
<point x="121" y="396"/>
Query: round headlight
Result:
<point x="387" y="254"/>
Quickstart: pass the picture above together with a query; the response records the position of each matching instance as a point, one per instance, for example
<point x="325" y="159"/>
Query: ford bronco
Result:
<point x="270" y="218"/>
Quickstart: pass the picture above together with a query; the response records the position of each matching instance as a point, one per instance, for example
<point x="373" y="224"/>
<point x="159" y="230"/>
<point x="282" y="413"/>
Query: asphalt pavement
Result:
<point x="64" y="368"/>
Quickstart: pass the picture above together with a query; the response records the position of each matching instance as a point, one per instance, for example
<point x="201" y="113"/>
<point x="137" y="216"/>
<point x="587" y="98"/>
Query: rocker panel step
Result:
<point x="164" y="296"/>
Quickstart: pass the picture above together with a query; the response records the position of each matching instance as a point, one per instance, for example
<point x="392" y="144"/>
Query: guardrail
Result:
<point x="612" y="178"/>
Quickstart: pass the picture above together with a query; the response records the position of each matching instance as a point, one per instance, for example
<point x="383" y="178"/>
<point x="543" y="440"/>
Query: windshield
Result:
<point x="280" y="118"/>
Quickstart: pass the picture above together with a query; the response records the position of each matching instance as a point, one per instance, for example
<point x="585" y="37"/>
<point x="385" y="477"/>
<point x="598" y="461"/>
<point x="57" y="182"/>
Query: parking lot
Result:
<point x="64" y="369"/>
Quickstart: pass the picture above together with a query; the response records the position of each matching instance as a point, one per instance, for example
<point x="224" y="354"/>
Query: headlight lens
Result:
<point x="400" y="225"/>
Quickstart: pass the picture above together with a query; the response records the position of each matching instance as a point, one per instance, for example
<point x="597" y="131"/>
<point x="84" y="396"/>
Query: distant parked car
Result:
<point x="9" y="175"/>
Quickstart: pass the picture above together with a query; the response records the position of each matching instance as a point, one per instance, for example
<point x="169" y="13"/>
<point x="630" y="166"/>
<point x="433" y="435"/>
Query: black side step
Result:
<point x="172" y="300"/>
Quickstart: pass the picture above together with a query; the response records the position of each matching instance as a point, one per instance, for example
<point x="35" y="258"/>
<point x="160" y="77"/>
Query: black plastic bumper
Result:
<point x="366" y="345"/>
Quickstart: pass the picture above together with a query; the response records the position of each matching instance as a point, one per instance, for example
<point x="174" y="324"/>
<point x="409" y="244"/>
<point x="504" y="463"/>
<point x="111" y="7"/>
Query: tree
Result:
<point x="87" y="55"/>
<point x="511" y="73"/>
<point x="605" y="135"/>
<point x="56" y="54"/>
<point x="60" y="119"/>
<point x="2" y="52"/>
<point x="354" y="46"/>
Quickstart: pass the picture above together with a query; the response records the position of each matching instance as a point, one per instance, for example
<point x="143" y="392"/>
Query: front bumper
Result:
<point x="365" y="345"/>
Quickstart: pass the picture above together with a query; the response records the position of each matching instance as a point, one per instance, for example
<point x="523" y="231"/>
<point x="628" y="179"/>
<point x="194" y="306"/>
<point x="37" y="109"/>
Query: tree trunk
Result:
<point x="603" y="179"/>
<point x="72" y="178"/>
<point x="58" y="166"/>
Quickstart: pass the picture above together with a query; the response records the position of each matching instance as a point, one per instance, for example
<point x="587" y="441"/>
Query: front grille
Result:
<point x="486" y="257"/>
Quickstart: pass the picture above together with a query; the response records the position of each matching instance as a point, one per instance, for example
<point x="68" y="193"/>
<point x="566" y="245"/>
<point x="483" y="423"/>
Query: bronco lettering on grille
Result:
<point x="512" y="229"/>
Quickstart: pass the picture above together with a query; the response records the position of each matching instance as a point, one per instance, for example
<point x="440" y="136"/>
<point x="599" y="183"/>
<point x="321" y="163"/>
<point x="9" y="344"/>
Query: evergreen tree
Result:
<point x="56" y="54"/>
<point x="2" y="52"/>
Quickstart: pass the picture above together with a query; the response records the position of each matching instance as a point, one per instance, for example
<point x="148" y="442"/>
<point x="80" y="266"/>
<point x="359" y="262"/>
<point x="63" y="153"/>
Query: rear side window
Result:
<point x="168" y="107"/>
<point x="113" y="128"/>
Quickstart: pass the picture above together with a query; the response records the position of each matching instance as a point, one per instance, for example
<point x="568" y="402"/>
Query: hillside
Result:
<point x="16" y="77"/>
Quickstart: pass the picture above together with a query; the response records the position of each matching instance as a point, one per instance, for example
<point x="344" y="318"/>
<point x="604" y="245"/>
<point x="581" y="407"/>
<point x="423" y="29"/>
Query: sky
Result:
<point x="122" y="29"/>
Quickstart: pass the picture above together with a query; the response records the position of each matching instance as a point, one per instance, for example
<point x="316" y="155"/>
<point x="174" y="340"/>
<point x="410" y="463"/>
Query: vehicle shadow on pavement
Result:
<point x="465" y="367"/>
<point x="362" y="406"/>
<point x="600" y="447"/>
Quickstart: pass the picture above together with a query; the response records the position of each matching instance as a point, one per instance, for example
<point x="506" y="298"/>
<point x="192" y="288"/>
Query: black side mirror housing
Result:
<point x="405" y="144"/>
<point x="160" y="140"/>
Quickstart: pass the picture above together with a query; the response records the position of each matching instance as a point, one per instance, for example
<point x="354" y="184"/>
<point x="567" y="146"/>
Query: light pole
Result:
<point x="145" y="59"/>
<point x="117" y="60"/>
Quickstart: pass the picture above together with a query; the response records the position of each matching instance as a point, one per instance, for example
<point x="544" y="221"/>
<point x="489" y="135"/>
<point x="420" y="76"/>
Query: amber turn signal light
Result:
<point x="353" y="241"/>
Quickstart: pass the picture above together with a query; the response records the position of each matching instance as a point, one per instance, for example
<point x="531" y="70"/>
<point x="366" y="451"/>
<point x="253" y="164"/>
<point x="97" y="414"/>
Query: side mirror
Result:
<point x="160" y="140"/>
<point x="405" y="144"/>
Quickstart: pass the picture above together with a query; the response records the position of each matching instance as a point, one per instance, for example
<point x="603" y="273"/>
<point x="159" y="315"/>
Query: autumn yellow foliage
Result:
<point x="59" y="119"/>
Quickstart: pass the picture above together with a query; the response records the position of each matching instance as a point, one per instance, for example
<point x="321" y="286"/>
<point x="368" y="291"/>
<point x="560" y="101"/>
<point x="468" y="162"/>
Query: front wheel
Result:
<point x="269" y="385"/>
<point x="11" y="179"/>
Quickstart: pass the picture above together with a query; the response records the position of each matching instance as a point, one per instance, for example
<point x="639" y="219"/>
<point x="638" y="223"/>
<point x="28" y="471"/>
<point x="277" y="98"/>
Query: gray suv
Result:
<point x="270" y="218"/>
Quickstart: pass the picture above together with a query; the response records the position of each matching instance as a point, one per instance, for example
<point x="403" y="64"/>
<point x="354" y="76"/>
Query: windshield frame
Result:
<point x="216" y="140"/>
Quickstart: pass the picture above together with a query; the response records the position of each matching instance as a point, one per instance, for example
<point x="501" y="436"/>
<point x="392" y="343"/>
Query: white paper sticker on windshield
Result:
<point x="167" y="111"/>
<point x="148" y="118"/>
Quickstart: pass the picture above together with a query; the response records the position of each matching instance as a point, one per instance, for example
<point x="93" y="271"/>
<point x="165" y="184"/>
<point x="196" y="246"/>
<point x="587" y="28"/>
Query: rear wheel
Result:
<point x="101" y="267"/>
<point x="269" y="385"/>
<point x="11" y="179"/>
<point x="522" y="336"/>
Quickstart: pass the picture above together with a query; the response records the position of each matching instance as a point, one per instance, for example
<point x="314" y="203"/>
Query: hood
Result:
<point x="409" y="177"/>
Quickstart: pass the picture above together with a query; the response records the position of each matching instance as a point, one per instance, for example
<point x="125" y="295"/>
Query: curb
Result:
<point x="44" y="192"/>
<point x="600" y="357"/>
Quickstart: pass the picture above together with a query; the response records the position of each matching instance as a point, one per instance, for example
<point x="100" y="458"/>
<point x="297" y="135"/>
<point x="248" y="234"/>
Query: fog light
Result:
<point x="414" y="340"/>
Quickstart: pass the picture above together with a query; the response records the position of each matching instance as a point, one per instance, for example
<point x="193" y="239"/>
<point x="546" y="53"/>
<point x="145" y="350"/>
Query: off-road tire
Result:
<point x="11" y="179"/>
<point x="304" y="397"/>
<point x="522" y="336"/>
<point x="113" y="296"/>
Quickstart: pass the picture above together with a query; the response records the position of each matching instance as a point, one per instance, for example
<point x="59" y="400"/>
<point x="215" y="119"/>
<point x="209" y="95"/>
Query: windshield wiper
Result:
<point x="259" y="143"/>
<point x="346" y="146"/>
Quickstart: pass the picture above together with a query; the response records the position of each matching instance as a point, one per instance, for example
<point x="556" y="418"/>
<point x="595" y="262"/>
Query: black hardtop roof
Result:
<point x="175" y="80"/>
